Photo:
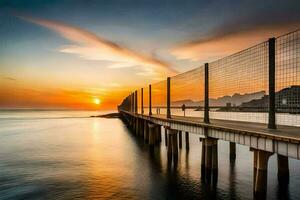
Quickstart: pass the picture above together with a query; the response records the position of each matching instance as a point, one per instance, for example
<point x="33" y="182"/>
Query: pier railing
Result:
<point x="259" y="84"/>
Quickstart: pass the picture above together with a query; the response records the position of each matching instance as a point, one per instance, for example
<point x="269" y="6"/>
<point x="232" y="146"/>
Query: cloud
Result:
<point x="222" y="44"/>
<point x="9" y="79"/>
<point x="89" y="46"/>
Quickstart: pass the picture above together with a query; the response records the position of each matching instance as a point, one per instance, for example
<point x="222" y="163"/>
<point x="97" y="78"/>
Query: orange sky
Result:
<point x="74" y="66"/>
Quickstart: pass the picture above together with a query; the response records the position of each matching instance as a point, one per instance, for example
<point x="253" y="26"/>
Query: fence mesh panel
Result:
<point x="146" y="100"/>
<point x="238" y="85"/>
<point x="159" y="97"/>
<point x="288" y="79"/>
<point x="188" y="89"/>
<point x="139" y="101"/>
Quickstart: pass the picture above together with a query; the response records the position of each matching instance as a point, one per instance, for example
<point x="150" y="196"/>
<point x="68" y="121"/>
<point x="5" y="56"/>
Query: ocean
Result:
<point x="68" y="155"/>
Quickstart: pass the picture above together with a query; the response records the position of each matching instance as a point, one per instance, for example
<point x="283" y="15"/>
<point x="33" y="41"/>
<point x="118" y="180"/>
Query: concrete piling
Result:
<point x="158" y="134"/>
<point x="203" y="159"/>
<point x="255" y="152"/>
<point x="215" y="160"/>
<point x="187" y="141"/>
<point x="180" y="139"/>
<point x="260" y="189"/>
<point x="232" y="151"/>
<point x="169" y="136"/>
<point x="174" y="145"/>
<point x="142" y="123"/>
<point x="166" y="136"/>
<point x="146" y="132"/>
<point x="151" y="135"/>
<point x="283" y="173"/>
<point x="208" y="159"/>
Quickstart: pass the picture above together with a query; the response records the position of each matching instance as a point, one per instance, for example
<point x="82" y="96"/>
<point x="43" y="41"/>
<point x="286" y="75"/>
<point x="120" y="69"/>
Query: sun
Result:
<point x="97" y="101"/>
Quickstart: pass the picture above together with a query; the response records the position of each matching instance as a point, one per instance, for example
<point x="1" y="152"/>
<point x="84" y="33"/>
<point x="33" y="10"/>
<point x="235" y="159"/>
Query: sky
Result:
<point x="69" y="54"/>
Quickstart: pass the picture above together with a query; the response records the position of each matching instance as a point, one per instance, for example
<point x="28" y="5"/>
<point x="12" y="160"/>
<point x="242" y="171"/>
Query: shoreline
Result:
<point x="109" y="115"/>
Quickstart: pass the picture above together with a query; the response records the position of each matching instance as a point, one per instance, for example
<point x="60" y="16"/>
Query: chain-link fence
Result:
<point x="238" y="86"/>
<point x="187" y="93"/>
<point x="159" y="96"/>
<point x="288" y="79"/>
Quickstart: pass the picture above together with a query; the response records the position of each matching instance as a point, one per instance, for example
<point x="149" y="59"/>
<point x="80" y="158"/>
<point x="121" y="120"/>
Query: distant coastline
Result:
<point x="109" y="115"/>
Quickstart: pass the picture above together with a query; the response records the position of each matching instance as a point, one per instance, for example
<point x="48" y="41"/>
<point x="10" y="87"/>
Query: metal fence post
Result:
<point x="131" y="102"/>
<point x="150" y="103"/>
<point x="206" y="94"/>
<point x="142" y="101"/>
<point x="272" y="109"/>
<point x="168" y="97"/>
<point x="135" y="102"/>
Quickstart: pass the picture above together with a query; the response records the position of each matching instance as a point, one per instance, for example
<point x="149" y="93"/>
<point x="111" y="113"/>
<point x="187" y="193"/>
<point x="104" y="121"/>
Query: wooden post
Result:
<point x="150" y="103"/>
<point x="168" y="97"/>
<point x="272" y="109"/>
<point x="206" y="94"/>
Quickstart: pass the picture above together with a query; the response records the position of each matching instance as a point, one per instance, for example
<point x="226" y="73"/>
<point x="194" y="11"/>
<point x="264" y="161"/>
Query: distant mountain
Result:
<point x="187" y="102"/>
<point x="236" y="99"/>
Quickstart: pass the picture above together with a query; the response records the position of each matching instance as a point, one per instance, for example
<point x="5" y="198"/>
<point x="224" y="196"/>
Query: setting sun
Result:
<point x="97" y="101"/>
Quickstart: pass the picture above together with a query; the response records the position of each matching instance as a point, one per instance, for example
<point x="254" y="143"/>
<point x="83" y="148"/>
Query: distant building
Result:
<point x="286" y="100"/>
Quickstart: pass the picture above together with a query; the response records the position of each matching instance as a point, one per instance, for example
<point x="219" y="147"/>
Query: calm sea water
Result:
<point x="65" y="155"/>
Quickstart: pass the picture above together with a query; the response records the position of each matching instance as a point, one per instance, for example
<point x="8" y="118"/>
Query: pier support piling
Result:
<point x="232" y="151"/>
<point x="175" y="145"/>
<point x="283" y="173"/>
<point x="208" y="159"/>
<point x="159" y="133"/>
<point x="180" y="139"/>
<point x="215" y="161"/>
<point x="260" y="189"/>
<point x="172" y="144"/>
<point x="169" y="135"/>
<point x="187" y="141"/>
<point x="166" y="136"/>
<point x="146" y="132"/>
<point x="142" y="123"/>
<point x="203" y="158"/>
<point x="151" y="136"/>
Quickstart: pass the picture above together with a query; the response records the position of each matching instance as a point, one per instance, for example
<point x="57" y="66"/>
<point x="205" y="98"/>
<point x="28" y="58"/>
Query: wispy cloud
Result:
<point x="226" y="43"/>
<point x="93" y="47"/>
<point x="9" y="78"/>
